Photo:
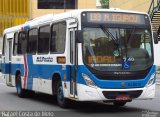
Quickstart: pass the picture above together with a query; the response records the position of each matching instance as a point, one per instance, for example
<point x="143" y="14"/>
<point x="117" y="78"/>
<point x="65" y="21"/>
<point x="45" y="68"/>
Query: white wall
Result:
<point x="157" y="54"/>
<point x="1" y="43"/>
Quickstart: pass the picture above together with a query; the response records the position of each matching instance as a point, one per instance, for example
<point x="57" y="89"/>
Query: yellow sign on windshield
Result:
<point x="101" y="59"/>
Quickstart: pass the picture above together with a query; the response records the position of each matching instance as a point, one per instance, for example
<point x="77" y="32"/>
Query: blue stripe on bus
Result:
<point x="37" y="71"/>
<point x="14" y="68"/>
<point x="47" y="71"/>
<point x="43" y="71"/>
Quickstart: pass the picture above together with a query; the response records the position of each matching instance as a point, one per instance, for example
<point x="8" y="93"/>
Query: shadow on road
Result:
<point x="94" y="107"/>
<point x="82" y="107"/>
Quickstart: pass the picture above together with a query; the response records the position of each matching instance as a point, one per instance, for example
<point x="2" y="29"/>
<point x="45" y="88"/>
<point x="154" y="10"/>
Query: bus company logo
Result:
<point x="44" y="59"/>
<point x="122" y="73"/>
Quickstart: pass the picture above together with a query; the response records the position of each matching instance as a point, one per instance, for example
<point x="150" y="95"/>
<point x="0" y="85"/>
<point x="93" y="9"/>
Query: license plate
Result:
<point x="122" y="98"/>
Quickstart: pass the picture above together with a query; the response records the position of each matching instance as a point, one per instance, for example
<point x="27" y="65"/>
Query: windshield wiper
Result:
<point x="116" y="40"/>
<point x="131" y="36"/>
<point x="106" y="32"/>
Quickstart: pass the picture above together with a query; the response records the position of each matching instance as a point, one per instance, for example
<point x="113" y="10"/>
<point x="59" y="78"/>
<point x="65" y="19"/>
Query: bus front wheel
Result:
<point x="62" y="101"/>
<point x="21" y="92"/>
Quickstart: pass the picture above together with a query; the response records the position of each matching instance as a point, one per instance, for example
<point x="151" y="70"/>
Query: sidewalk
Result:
<point x="2" y="81"/>
<point x="158" y="81"/>
<point x="158" y="78"/>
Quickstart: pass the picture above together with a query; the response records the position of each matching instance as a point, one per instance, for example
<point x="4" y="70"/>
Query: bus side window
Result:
<point x="53" y="41"/>
<point x="22" y="42"/>
<point x="43" y="40"/>
<point x="58" y="38"/>
<point x="32" y="41"/>
<point x="4" y="45"/>
<point x="15" y="46"/>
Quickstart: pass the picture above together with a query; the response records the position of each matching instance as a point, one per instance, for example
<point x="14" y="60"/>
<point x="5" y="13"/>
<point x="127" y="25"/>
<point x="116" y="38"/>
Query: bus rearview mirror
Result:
<point x="155" y="36"/>
<point x="79" y="36"/>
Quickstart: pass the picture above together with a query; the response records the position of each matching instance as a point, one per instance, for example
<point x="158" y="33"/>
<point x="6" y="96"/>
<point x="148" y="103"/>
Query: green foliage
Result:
<point x="158" y="68"/>
<point x="104" y="3"/>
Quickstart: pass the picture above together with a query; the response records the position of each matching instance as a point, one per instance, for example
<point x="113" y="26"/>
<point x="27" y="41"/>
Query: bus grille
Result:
<point x="114" y="94"/>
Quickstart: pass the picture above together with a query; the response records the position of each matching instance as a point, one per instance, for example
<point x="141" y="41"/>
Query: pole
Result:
<point x="64" y="5"/>
<point x="75" y="4"/>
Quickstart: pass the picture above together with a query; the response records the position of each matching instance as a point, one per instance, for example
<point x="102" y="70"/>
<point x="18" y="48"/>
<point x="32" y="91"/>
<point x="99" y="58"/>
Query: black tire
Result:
<point x="20" y="92"/>
<point x="62" y="101"/>
<point x="119" y="103"/>
<point x="29" y="94"/>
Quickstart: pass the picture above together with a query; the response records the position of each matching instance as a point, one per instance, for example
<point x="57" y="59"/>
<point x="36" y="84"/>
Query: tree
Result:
<point x="104" y="3"/>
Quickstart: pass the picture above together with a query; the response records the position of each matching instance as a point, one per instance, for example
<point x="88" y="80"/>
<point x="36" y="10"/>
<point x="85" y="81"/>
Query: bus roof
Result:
<point x="54" y="17"/>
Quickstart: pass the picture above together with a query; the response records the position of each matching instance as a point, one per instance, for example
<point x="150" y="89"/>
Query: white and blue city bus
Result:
<point x="82" y="55"/>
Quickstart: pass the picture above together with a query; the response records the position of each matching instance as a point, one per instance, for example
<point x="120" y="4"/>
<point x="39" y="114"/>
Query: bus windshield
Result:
<point x="117" y="49"/>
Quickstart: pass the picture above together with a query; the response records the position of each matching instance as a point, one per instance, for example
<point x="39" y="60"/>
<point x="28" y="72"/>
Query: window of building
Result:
<point x="15" y="45"/>
<point x="32" y="41"/>
<point x="22" y="42"/>
<point x="57" y="4"/>
<point x="104" y="4"/>
<point x="43" y="40"/>
<point x="58" y="37"/>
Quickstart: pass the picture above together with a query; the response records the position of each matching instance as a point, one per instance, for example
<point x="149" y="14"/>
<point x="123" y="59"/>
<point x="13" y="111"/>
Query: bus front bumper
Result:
<point x="86" y="93"/>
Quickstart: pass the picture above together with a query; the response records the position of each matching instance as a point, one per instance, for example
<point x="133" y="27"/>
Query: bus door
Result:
<point x="8" y="58"/>
<point x="73" y="60"/>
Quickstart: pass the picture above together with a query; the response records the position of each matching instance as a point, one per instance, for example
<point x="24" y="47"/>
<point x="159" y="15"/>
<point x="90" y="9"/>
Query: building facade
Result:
<point x="136" y="5"/>
<point x="42" y="7"/>
<point x="15" y="12"/>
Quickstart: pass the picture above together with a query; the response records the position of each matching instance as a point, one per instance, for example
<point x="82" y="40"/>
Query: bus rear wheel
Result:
<point x="21" y="92"/>
<point x="62" y="101"/>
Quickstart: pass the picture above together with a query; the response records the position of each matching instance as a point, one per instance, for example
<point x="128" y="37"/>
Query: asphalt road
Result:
<point x="9" y="101"/>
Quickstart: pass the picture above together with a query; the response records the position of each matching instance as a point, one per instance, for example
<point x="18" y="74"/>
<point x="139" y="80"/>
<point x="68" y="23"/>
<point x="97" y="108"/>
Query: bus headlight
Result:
<point x="151" y="80"/>
<point x="88" y="81"/>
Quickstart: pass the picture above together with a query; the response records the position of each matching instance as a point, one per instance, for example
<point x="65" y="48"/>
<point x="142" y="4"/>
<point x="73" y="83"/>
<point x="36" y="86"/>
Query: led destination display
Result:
<point x="119" y="18"/>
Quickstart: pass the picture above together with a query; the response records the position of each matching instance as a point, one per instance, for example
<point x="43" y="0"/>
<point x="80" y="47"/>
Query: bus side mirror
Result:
<point x="79" y="36"/>
<point x="155" y="36"/>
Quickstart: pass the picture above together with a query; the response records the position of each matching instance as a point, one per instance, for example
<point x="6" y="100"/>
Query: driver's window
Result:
<point x="22" y="42"/>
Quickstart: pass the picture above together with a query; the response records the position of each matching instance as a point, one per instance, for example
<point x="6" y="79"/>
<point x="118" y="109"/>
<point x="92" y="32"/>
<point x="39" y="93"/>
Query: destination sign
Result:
<point x="120" y="18"/>
<point x="101" y="59"/>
